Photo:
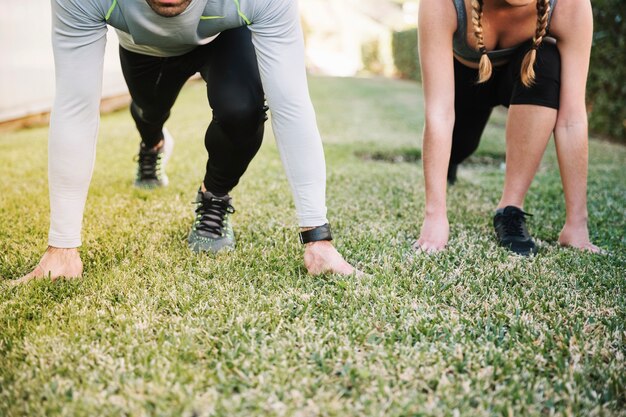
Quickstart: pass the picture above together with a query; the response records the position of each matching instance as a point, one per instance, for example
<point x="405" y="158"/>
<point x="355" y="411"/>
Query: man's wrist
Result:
<point x="58" y="249"/>
<point x="315" y="234"/>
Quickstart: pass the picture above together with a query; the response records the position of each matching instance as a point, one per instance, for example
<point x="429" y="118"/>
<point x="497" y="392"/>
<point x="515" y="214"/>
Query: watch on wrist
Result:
<point x="316" y="234"/>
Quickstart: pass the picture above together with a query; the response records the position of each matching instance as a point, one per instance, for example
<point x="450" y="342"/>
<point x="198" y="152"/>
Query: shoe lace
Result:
<point x="149" y="164"/>
<point x="211" y="214"/>
<point x="514" y="224"/>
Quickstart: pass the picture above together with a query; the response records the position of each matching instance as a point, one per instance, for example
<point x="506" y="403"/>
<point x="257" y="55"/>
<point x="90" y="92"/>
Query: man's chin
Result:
<point x="169" y="8"/>
<point x="167" y="12"/>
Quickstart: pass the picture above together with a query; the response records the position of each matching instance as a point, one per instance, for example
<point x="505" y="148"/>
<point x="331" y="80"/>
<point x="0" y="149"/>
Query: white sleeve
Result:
<point x="279" y="44"/>
<point x="78" y="40"/>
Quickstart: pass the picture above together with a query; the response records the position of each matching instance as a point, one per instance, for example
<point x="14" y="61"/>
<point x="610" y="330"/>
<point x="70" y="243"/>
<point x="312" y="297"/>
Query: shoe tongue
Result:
<point x="207" y="195"/>
<point x="145" y="150"/>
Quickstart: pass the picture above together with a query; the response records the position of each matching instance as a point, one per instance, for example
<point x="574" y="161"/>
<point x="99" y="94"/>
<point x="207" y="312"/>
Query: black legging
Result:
<point x="229" y="67"/>
<point x="474" y="102"/>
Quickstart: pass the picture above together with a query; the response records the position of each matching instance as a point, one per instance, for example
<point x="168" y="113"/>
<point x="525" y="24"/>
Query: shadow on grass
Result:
<point x="410" y="155"/>
<point x="394" y="156"/>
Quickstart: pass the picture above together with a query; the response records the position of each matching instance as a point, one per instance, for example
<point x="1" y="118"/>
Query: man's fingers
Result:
<point x="38" y="272"/>
<point x="26" y="278"/>
<point x="345" y="268"/>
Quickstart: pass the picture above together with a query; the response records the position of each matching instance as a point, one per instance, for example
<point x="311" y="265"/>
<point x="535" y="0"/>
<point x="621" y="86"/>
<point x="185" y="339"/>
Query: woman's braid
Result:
<point x="528" y="70"/>
<point x="484" y="68"/>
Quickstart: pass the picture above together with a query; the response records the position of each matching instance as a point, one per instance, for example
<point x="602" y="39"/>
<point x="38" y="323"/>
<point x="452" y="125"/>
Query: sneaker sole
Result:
<point x="527" y="253"/>
<point x="197" y="247"/>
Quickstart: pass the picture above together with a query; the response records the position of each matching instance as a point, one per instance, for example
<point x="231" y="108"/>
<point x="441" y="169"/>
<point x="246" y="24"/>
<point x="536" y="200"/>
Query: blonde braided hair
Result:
<point x="484" y="67"/>
<point x="527" y="71"/>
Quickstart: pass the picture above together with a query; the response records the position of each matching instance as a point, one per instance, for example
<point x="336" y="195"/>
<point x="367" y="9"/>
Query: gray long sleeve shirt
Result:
<point x="79" y="36"/>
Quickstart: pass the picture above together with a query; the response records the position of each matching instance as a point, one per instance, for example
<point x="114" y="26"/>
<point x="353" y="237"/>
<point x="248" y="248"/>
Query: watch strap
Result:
<point x="316" y="234"/>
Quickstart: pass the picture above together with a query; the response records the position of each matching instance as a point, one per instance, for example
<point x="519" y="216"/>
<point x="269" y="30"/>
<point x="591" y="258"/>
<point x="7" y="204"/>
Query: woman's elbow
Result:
<point x="442" y="120"/>
<point x="571" y="124"/>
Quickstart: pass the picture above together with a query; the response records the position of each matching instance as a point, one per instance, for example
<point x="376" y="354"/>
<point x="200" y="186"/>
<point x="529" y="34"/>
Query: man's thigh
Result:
<point x="155" y="82"/>
<point x="232" y="75"/>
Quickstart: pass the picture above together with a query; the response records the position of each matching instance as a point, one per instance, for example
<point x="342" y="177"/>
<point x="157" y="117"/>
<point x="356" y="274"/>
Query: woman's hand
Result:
<point x="434" y="234"/>
<point x="577" y="236"/>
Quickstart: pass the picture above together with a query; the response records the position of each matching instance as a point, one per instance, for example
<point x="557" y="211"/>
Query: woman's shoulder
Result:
<point x="441" y="12"/>
<point x="446" y="7"/>
<point x="569" y="16"/>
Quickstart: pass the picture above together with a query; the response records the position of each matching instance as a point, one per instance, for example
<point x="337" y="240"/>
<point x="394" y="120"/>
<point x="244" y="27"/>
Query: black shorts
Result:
<point x="474" y="102"/>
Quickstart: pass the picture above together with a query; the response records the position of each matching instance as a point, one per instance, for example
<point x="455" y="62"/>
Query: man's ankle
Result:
<point x="215" y="193"/>
<point x="155" y="147"/>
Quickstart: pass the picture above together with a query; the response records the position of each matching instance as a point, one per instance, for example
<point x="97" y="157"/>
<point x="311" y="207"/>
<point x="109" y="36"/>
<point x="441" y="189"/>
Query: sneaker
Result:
<point x="510" y="225"/>
<point x="212" y="230"/>
<point x="151" y="163"/>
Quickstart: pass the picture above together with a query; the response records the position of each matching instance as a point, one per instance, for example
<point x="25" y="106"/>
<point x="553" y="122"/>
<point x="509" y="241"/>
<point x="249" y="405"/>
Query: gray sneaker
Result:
<point x="151" y="164"/>
<point x="212" y="230"/>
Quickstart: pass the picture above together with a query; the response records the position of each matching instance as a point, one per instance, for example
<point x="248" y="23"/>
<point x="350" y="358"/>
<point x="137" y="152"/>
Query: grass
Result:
<point x="153" y="329"/>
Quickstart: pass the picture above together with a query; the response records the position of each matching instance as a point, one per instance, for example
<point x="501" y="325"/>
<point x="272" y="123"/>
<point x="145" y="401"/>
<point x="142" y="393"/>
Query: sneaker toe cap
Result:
<point x="521" y="247"/>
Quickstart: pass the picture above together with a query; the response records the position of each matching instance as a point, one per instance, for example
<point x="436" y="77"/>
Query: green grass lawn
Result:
<point x="153" y="329"/>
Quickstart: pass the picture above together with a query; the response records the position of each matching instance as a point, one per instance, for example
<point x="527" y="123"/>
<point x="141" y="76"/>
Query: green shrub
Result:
<point x="606" y="88"/>
<point x="405" y="56"/>
<point x="370" y="55"/>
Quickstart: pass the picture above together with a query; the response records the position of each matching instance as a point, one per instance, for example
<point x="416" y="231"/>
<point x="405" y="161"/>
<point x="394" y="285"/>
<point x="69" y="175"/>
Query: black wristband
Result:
<point x="316" y="234"/>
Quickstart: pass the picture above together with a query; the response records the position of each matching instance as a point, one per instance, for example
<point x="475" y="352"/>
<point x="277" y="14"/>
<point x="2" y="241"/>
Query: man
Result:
<point x="163" y="42"/>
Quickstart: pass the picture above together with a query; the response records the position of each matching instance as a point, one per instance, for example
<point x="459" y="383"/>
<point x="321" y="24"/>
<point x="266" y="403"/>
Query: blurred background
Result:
<point x="343" y="38"/>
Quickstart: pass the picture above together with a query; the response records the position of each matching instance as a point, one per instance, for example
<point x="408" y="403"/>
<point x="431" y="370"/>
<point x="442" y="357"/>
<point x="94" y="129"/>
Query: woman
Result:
<point x="529" y="55"/>
<point x="168" y="29"/>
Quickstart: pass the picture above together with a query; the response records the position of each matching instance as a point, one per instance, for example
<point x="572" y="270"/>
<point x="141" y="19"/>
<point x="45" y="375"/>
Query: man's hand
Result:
<point x="56" y="263"/>
<point x="434" y="234"/>
<point x="577" y="236"/>
<point x="321" y="257"/>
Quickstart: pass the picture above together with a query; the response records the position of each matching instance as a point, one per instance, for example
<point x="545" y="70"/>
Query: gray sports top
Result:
<point x="464" y="50"/>
<point x="78" y="39"/>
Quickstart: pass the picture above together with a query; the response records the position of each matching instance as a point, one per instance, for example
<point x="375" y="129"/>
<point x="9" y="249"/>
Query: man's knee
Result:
<point x="241" y="118"/>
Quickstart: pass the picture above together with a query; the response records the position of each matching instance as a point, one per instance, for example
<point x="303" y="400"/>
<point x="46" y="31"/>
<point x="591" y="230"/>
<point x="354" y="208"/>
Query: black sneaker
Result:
<point x="212" y="230"/>
<point x="510" y="225"/>
<point x="151" y="164"/>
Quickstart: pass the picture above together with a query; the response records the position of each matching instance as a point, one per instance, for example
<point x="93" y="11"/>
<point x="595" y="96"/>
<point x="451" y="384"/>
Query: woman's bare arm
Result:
<point x="437" y="22"/>
<point x="572" y="26"/>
